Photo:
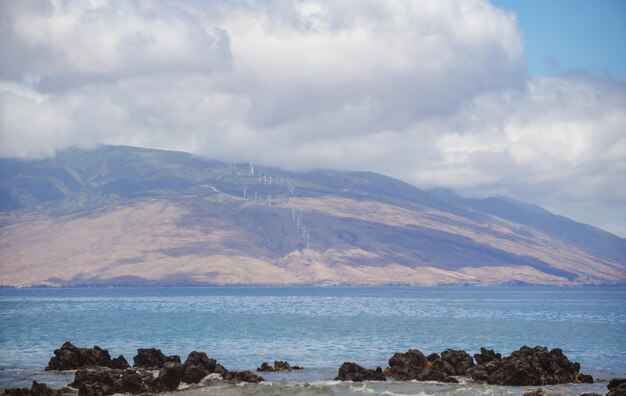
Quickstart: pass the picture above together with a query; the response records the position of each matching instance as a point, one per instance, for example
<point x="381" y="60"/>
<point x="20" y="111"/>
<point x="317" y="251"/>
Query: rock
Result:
<point x="541" y="392"/>
<point x="70" y="357"/>
<point x="119" y="362"/>
<point x="171" y="375"/>
<point x="197" y="366"/>
<point x="615" y="382"/>
<point x="413" y="365"/>
<point x="16" y="392"/>
<point x="617" y="387"/>
<point x="456" y="362"/>
<point x="529" y="367"/>
<point x="408" y="365"/>
<point x="101" y="381"/>
<point x="152" y="358"/>
<point x="585" y="379"/>
<point x="131" y="382"/>
<point x="244" y="376"/>
<point x="101" y="375"/>
<point x="42" y="389"/>
<point x="280" y="365"/>
<point x="590" y="394"/>
<point x="95" y="389"/>
<point x="36" y="389"/>
<point x="486" y="356"/>
<point x="265" y="367"/>
<point x="353" y="372"/>
<point x="219" y="369"/>
<point x="618" y="391"/>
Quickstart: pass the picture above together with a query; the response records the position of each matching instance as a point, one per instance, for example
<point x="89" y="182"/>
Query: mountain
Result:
<point x="131" y="216"/>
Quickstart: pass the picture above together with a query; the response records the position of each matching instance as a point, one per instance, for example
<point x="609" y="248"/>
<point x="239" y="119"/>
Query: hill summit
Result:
<point x="120" y="215"/>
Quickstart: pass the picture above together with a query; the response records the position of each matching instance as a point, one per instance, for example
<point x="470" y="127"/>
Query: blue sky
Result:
<point x="568" y="35"/>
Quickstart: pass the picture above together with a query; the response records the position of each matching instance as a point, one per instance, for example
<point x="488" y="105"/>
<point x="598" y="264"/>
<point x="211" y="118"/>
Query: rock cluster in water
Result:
<point x="279" y="365"/>
<point x="524" y="367"/>
<point x="353" y="372"/>
<point x="99" y="375"/>
<point x="70" y="357"/>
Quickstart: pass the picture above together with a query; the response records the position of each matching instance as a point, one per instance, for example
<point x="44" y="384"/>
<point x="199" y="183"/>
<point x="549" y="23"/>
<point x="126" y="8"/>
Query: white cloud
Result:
<point x="435" y="93"/>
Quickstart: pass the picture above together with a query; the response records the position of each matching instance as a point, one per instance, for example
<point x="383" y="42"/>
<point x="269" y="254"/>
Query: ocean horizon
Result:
<point x="318" y="328"/>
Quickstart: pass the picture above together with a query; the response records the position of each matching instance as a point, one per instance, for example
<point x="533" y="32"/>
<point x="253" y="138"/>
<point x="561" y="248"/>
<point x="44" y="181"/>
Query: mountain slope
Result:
<point x="122" y="215"/>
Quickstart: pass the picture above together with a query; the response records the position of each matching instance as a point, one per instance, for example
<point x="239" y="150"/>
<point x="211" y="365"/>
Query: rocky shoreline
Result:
<point x="97" y="374"/>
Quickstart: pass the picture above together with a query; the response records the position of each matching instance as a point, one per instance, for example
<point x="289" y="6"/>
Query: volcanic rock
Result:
<point x="617" y="387"/>
<point x="279" y="365"/>
<point x="413" y="365"/>
<point x="541" y="392"/>
<point x="171" y="375"/>
<point x="530" y="366"/>
<point x="486" y="356"/>
<point x="197" y="366"/>
<point x="265" y="367"/>
<point x="456" y="362"/>
<point x="36" y="389"/>
<point x="70" y="357"/>
<point x="152" y="358"/>
<point x="100" y="381"/>
<point x="243" y="376"/>
<point x="353" y="372"/>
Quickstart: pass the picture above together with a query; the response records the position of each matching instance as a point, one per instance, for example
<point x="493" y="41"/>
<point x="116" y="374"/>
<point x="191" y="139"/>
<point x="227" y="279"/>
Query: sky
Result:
<point x="525" y="99"/>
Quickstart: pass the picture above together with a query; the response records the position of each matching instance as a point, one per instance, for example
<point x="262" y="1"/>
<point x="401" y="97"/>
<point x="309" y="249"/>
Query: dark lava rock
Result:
<point x="70" y="357"/>
<point x="529" y="366"/>
<point x="486" y="356"/>
<point x="243" y="376"/>
<point x="615" y="382"/>
<point x="353" y="372"/>
<point x="197" y="366"/>
<point x="119" y="362"/>
<point x="17" y="392"/>
<point x="279" y="365"/>
<point x="102" y="375"/>
<point x="102" y="381"/>
<point x="456" y="362"/>
<point x="413" y="365"/>
<point x="96" y="381"/>
<point x="171" y="375"/>
<point x="409" y="365"/>
<point x="541" y="392"/>
<point x="36" y="389"/>
<point x="265" y="367"/>
<point x="617" y="387"/>
<point x="152" y="358"/>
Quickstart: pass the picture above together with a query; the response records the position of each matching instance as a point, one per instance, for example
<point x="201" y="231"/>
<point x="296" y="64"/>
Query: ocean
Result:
<point x="315" y="327"/>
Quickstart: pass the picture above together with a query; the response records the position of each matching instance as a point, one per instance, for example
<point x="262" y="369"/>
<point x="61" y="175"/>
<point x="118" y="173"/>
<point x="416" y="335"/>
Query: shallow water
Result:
<point x="315" y="327"/>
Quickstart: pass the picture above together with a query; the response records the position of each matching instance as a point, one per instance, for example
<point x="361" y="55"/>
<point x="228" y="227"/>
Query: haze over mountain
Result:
<point x="120" y="215"/>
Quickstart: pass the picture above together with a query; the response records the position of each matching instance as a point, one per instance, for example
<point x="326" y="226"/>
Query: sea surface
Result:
<point x="315" y="327"/>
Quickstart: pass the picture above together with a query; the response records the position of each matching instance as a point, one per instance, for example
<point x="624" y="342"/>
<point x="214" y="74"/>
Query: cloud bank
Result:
<point x="434" y="93"/>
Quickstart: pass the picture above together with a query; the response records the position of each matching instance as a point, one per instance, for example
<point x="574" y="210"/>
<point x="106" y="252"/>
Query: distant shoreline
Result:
<point x="320" y="286"/>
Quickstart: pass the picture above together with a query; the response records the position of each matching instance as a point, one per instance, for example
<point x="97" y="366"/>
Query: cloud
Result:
<point x="435" y="93"/>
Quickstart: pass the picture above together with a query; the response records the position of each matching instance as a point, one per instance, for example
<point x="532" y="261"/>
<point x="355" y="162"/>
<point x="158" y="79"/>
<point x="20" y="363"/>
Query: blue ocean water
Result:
<point x="315" y="327"/>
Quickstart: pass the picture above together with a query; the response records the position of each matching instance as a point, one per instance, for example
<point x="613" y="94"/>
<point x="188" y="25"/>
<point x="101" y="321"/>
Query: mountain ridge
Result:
<point x="133" y="216"/>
